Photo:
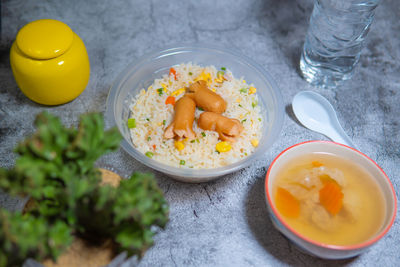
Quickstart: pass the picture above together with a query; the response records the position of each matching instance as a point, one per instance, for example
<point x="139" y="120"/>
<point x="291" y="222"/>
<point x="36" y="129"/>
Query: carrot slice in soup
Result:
<point x="317" y="164"/>
<point x="331" y="197"/>
<point x="325" y="178"/>
<point x="287" y="204"/>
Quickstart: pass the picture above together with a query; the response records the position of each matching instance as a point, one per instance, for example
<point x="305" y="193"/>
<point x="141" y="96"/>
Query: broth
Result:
<point x="329" y="199"/>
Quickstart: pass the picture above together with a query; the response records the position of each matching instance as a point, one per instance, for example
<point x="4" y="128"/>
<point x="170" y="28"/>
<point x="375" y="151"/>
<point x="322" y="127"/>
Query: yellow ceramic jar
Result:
<point x="49" y="62"/>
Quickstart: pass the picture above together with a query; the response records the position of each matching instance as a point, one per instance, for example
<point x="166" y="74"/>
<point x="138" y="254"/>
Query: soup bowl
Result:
<point x="312" y="247"/>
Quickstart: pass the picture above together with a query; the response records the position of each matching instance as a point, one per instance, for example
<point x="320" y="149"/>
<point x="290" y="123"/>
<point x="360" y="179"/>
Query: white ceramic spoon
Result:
<point x="317" y="114"/>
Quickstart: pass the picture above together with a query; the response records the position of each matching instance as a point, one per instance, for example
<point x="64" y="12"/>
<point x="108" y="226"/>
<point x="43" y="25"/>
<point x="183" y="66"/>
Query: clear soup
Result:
<point x="329" y="199"/>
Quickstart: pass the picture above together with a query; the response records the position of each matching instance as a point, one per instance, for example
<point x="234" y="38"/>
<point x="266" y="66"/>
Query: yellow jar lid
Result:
<point x="44" y="39"/>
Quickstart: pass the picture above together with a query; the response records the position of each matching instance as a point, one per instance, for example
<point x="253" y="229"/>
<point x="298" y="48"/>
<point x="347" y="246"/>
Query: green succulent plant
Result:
<point x="55" y="168"/>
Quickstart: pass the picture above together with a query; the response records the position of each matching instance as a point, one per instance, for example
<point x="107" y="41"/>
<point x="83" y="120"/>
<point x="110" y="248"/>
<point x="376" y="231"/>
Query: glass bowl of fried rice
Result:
<point x="138" y="93"/>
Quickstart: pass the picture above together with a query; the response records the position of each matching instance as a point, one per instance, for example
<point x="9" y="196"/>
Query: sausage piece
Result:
<point x="228" y="129"/>
<point x="182" y="124"/>
<point x="205" y="98"/>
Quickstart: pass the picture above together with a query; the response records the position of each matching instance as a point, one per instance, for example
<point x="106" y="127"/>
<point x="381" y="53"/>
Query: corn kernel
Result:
<point x="159" y="124"/>
<point x="170" y="83"/>
<point x="218" y="80"/>
<point x="178" y="92"/>
<point x="213" y="89"/>
<point x="241" y="116"/>
<point x="179" y="145"/>
<point x="223" y="147"/>
<point x="252" y="90"/>
<point x="204" y="76"/>
<point x="254" y="142"/>
<point x="244" y="81"/>
<point x="200" y="77"/>
<point x="238" y="100"/>
<point x="164" y="86"/>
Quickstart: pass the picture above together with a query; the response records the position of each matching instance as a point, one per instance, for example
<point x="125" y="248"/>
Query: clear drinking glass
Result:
<point x="334" y="40"/>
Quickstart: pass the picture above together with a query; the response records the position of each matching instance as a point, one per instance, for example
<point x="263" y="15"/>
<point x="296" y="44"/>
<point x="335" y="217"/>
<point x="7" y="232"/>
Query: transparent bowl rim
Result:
<point x="199" y="174"/>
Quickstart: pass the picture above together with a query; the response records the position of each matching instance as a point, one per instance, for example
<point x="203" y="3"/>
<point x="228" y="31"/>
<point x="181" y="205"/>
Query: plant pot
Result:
<point x="81" y="252"/>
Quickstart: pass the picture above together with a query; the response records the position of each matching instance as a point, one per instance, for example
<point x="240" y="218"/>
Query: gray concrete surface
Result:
<point x="221" y="223"/>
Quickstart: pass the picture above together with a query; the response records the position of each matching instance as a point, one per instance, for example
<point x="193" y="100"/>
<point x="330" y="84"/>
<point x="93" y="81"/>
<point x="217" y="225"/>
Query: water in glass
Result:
<point x="334" y="40"/>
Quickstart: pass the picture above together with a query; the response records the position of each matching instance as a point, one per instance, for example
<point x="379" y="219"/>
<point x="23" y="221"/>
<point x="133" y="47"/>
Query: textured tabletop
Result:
<point x="225" y="222"/>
